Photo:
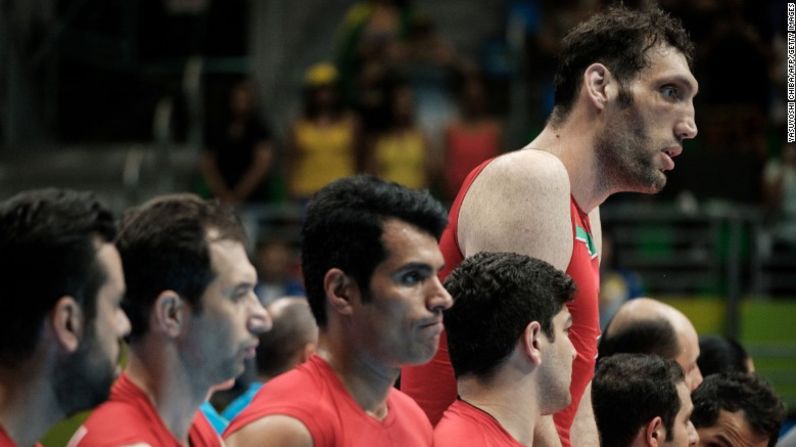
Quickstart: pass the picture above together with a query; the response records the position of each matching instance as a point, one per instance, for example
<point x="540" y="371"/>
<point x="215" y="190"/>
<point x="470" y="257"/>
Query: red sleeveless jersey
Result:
<point x="433" y="385"/>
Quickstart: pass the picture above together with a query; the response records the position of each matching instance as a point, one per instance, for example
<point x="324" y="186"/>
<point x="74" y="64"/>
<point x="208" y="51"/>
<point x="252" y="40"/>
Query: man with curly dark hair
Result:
<point x="508" y="337"/>
<point x="737" y="409"/>
<point x="642" y="400"/>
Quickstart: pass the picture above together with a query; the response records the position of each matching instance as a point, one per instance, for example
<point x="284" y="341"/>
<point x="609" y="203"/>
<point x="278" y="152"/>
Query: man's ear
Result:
<point x="169" y="313"/>
<point x="598" y="85"/>
<point x="66" y="320"/>
<point x="655" y="433"/>
<point x="531" y="345"/>
<point x="340" y="291"/>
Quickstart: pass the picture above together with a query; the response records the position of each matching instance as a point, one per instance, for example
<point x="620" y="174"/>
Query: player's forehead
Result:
<point x="406" y="242"/>
<point x="230" y="262"/>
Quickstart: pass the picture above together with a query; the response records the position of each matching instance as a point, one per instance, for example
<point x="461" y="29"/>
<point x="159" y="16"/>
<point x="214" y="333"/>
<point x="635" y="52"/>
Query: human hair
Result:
<point x="164" y="245"/>
<point x="721" y="354"/>
<point x="496" y="296"/>
<point x="630" y="390"/>
<point x="735" y="391"/>
<point x="645" y="336"/>
<point x="620" y="39"/>
<point x="49" y="240"/>
<point x="293" y="328"/>
<point x="344" y="225"/>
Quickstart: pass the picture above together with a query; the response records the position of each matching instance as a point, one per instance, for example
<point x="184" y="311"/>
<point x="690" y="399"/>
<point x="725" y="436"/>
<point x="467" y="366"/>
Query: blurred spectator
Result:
<point x="735" y="409"/>
<point x="277" y="265"/>
<point x="325" y="141"/>
<point x="779" y="188"/>
<point x="733" y="122"/>
<point x="401" y="154"/>
<point x="291" y="341"/>
<point x="372" y="31"/>
<point x="472" y="138"/>
<point x="431" y="65"/>
<point x="617" y="284"/>
<point x="545" y="35"/>
<point x="239" y="153"/>
<point x="718" y="354"/>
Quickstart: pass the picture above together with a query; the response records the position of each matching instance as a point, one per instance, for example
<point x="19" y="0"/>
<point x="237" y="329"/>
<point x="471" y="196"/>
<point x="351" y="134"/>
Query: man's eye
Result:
<point x="670" y="91"/>
<point x="240" y="295"/>
<point x="411" y="278"/>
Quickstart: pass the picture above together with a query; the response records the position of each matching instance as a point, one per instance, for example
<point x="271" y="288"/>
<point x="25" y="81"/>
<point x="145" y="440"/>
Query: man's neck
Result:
<point x="574" y="146"/>
<point x="365" y="378"/>
<point x="498" y="398"/>
<point x="28" y="408"/>
<point x="170" y="386"/>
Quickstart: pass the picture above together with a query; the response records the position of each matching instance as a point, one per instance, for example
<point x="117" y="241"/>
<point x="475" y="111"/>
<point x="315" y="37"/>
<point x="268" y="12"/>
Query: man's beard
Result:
<point x="625" y="156"/>
<point x="83" y="379"/>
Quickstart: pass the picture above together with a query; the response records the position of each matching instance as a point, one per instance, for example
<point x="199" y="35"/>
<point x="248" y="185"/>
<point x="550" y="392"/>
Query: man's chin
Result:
<point x="652" y="184"/>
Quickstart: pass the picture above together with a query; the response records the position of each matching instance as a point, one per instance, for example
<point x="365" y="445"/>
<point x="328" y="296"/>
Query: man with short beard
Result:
<point x="60" y="314"/>
<point x="623" y="106"/>
<point x="195" y="319"/>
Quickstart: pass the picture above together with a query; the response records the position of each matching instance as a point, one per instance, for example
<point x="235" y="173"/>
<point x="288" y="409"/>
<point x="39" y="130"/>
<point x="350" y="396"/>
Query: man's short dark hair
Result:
<point x="630" y="390"/>
<point x="620" y="39"/>
<point x="48" y="249"/>
<point x="646" y="336"/>
<point x="496" y="295"/>
<point x="164" y="245"/>
<point x="734" y="391"/>
<point x="721" y="354"/>
<point x="344" y="225"/>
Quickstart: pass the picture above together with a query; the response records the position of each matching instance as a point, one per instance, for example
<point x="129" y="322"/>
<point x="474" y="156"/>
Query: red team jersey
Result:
<point x="128" y="417"/>
<point x="433" y="385"/>
<point x="5" y="440"/>
<point x="463" y="424"/>
<point x="313" y="394"/>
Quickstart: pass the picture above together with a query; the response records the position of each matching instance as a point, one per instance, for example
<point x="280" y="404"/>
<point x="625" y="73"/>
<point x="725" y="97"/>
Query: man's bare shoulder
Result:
<point x="274" y="430"/>
<point x="520" y="202"/>
<point x="531" y="178"/>
<point x="528" y="165"/>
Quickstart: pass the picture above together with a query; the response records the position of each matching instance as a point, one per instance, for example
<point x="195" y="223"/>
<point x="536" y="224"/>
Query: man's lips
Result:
<point x="434" y="326"/>
<point x="251" y="350"/>
<point x="668" y="154"/>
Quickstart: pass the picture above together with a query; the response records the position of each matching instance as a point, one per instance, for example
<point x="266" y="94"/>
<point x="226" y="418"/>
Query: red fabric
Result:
<point x="463" y="424"/>
<point x="466" y="148"/>
<point x="433" y="385"/>
<point x="128" y="417"/>
<point x="313" y="394"/>
<point x="584" y="268"/>
<point x="6" y="441"/>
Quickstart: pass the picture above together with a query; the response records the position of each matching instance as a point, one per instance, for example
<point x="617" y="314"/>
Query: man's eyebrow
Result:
<point x="414" y="266"/>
